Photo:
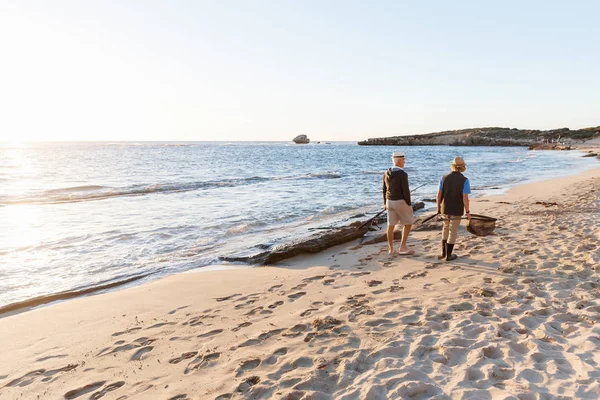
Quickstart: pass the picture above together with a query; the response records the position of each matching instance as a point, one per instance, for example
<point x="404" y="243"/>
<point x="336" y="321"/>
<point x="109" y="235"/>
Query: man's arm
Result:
<point x="406" y="189"/>
<point x="440" y="194"/>
<point x="384" y="193"/>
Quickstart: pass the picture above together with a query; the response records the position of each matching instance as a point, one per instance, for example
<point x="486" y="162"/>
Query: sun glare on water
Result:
<point x="21" y="223"/>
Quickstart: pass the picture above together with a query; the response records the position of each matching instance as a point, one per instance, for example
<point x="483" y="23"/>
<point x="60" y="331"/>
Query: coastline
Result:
<point x="512" y="316"/>
<point x="345" y="217"/>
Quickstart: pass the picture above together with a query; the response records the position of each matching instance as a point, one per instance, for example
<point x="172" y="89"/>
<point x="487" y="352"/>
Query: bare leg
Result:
<point x="390" y="238"/>
<point x="405" y="232"/>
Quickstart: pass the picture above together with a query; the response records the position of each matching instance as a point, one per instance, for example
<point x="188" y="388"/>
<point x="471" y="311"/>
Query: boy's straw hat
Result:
<point x="459" y="162"/>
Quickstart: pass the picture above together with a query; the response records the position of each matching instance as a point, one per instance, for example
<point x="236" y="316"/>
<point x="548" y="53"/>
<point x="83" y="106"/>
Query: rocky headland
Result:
<point x="489" y="137"/>
<point x="301" y="139"/>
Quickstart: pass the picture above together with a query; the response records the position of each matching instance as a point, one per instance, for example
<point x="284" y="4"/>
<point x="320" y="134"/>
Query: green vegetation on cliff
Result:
<point x="487" y="137"/>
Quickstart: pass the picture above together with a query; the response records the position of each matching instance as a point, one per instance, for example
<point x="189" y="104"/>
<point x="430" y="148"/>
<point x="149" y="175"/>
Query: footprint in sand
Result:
<point x="261" y="338"/>
<point x="45" y="359"/>
<point x="138" y="355"/>
<point x="278" y="353"/>
<point x="328" y="281"/>
<point x="313" y="278"/>
<point x="296" y="296"/>
<point x="32" y="376"/>
<point x="137" y="328"/>
<point x="182" y="357"/>
<point x="379" y="322"/>
<point x="308" y="312"/>
<point x="179" y="397"/>
<point x="245" y="304"/>
<point x="248" y="365"/>
<point x="120" y="346"/>
<point x="414" y="275"/>
<point x="300" y="286"/>
<point x="276" y="304"/>
<point x="247" y="384"/>
<point x="255" y="311"/>
<point x="242" y="325"/>
<point x="72" y="394"/>
<point x="273" y="288"/>
<point x="220" y="299"/>
<point x="296" y="330"/>
<point x="177" y="309"/>
<point x="373" y="283"/>
<point x="161" y="324"/>
<point x="202" y="361"/>
<point x="396" y="288"/>
<point x="106" y="389"/>
<point x="211" y="333"/>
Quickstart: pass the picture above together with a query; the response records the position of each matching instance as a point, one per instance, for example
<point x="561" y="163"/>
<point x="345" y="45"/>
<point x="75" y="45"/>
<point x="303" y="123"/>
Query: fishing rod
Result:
<point x="473" y="216"/>
<point x="371" y="219"/>
<point x="381" y="212"/>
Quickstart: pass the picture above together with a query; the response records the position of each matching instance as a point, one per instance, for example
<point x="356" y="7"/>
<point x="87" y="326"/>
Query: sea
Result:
<point x="77" y="217"/>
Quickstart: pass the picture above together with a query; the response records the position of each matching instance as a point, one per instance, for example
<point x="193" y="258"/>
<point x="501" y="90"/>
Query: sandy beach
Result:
<point x="513" y="318"/>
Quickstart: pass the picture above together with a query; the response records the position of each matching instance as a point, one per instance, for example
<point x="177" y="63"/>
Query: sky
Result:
<point x="272" y="69"/>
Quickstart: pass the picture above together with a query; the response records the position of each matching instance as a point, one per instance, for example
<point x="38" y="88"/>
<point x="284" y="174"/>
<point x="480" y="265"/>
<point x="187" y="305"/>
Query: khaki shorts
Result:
<point x="399" y="212"/>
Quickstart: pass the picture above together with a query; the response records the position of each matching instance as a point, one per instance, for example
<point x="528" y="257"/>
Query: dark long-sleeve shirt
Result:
<point x="395" y="185"/>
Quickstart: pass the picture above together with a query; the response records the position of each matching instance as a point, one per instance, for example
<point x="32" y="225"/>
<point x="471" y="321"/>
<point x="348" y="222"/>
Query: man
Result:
<point x="396" y="200"/>
<point x="452" y="201"/>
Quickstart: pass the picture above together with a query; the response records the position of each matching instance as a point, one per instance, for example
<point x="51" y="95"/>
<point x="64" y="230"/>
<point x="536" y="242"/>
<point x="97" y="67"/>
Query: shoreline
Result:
<point x="514" y="315"/>
<point x="130" y="281"/>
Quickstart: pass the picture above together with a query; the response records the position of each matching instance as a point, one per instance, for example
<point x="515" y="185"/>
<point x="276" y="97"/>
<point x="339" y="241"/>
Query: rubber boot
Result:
<point x="449" y="255"/>
<point x="443" y="255"/>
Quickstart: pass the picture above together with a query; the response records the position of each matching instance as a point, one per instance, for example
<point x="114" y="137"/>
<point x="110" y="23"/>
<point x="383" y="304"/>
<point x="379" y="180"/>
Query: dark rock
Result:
<point x="301" y="139"/>
<point x="549" y="147"/>
<point x="591" y="155"/>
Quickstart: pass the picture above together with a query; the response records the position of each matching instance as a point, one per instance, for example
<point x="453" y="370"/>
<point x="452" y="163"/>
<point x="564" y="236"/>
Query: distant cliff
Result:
<point x="487" y="137"/>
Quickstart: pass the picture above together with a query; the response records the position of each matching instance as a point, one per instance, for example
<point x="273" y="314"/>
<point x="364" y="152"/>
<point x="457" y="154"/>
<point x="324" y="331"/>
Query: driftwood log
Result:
<point x="314" y="243"/>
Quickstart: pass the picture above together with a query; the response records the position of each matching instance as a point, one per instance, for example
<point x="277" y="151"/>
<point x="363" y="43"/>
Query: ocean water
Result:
<point x="80" y="215"/>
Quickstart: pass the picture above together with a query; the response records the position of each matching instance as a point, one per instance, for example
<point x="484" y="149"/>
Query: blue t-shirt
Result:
<point x="466" y="186"/>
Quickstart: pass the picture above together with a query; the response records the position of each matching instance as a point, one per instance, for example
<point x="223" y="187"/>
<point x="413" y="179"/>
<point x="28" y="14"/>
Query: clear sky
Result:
<point x="272" y="69"/>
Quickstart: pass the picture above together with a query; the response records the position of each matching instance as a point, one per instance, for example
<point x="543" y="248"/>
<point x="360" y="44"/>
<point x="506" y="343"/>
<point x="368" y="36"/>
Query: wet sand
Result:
<point x="513" y="318"/>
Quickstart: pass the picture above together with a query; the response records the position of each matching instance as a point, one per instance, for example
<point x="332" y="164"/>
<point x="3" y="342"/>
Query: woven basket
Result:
<point x="480" y="225"/>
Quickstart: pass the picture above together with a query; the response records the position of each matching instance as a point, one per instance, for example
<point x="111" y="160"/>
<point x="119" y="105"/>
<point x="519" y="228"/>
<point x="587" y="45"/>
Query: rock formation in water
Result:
<point x="301" y="139"/>
<point x="488" y="137"/>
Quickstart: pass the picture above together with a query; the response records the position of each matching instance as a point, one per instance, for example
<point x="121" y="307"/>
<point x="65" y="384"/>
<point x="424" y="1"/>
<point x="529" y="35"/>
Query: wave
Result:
<point x="87" y="188"/>
<point x="97" y="192"/>
<point x="49" y="298"/>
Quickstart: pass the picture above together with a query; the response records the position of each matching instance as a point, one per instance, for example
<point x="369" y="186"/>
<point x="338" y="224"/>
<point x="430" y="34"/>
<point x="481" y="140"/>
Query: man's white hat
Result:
<point x="398" y="154"/>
